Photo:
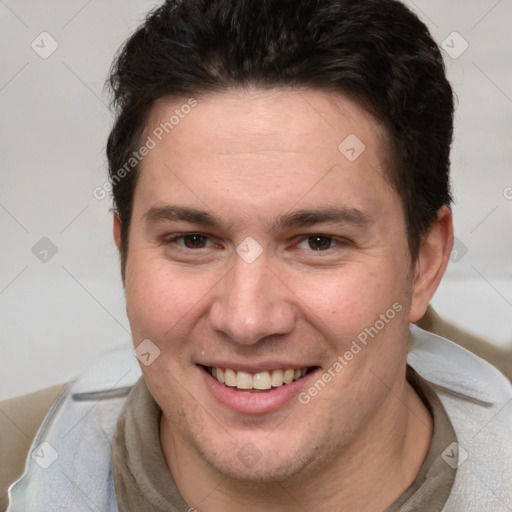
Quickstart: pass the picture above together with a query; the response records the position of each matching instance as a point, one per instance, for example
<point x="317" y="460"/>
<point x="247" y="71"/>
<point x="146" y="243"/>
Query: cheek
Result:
<point x="350" y="299"/>
<point x="159" y="300"/>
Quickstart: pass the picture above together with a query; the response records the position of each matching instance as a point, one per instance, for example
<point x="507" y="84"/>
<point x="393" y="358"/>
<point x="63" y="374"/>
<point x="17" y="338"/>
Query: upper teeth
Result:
<point x="260" y="380"/>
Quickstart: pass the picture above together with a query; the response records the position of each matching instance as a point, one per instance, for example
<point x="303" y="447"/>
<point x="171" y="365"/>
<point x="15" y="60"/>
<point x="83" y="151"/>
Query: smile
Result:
<point x="259" y="391"/>
<point x="261" y="381"/>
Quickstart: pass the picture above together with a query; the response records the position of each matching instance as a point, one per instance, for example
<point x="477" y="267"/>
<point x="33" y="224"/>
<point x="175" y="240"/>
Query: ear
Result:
<point x="432" y="261"/>
<point x="116" y="229"/>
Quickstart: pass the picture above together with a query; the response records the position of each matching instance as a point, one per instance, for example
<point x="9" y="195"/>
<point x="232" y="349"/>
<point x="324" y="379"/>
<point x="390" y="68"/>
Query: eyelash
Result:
<point x="333" y="240"/>
<point x="173" y="239"/>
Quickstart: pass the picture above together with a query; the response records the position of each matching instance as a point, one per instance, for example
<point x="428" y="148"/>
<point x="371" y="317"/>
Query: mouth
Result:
<point x="258" y="392"/>
<point x="260" y="382"/>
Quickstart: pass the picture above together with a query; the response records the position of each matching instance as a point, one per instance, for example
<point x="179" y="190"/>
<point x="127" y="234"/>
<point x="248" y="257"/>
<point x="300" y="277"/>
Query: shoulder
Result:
<point x="478" y="401"/>
<point x="85" y="408"/>
<point x="499" y="357"/>
<point x="20" y="419"/>
<point x="455" y="369"/>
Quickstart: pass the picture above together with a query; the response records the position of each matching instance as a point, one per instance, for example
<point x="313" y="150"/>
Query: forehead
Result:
<point x="264" y="146"/>
<point x="278" y="118"/>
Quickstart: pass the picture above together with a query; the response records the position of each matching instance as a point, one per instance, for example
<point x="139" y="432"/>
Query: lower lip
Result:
<point x="247" y="402"/>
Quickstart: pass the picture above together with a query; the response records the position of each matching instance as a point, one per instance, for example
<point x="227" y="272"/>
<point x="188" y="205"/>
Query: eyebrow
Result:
<point x="296" y="219"/>
<point x="333" y="215"/>
<point x="182" y="213"/>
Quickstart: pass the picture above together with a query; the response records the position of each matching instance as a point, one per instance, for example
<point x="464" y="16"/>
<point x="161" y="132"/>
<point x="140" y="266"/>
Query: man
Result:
<point x="280" y="179"/>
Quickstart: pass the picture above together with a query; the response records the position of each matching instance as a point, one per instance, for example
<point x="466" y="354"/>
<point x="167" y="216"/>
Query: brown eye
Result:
<point x="194" y="241"/>
<point x="319" y="243"/>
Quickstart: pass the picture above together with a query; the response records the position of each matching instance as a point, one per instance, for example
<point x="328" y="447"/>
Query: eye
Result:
<point x="190" y="241"/>
<point x="194" y="241"/>
<point x="317" y="243"/>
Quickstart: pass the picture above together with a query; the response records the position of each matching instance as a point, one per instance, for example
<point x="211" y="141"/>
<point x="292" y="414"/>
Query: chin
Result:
<point x="243" y="463"/>
<point x="263" y="472"/>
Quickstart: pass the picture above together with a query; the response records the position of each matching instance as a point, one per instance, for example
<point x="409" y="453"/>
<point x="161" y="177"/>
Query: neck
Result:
<point x="380" y="463"/>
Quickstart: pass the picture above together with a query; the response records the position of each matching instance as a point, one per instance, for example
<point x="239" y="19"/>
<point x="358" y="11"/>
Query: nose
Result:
<point x="252" y="303"/>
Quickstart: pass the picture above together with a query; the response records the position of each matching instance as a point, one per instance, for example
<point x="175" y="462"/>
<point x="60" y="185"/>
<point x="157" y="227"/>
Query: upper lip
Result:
<point x="255" y="368"/>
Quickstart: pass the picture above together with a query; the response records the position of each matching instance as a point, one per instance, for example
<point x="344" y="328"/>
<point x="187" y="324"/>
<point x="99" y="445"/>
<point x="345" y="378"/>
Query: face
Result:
<point x="266" y="246"/>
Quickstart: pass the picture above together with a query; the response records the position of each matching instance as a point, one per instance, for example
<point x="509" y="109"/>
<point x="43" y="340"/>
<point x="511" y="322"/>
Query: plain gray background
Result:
<point x="61" y="299"/>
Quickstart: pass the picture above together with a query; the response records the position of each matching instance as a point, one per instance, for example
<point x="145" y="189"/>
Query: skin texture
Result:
<point x="249" y="158"/>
